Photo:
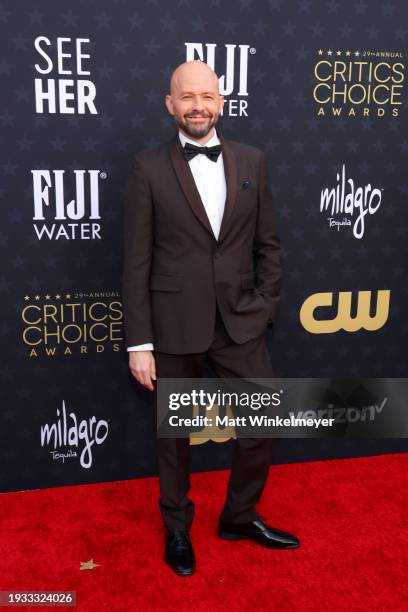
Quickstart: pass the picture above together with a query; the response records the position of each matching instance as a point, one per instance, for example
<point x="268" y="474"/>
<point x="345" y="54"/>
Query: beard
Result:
<point x="196" y="131"/>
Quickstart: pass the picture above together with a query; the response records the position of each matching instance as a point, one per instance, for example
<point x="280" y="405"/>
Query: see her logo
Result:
<point x="66" y="95"/>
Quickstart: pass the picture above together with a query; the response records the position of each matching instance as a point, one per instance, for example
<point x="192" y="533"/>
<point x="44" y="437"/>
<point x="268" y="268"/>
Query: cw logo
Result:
<point x="212" y="432"/>
<point x="343" y="318"/>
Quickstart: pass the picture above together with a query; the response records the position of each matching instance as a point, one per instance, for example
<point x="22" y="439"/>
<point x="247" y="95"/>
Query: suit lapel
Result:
<point x="231" y="179"/>
<point x="187" y="183"/>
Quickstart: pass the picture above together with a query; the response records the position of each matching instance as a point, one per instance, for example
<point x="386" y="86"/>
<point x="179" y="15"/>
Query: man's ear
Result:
<point x="221" y="103"/>
<point x="169" y="104"/>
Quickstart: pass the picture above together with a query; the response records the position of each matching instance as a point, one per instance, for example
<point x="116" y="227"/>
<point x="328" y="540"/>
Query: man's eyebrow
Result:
<point x="204" y="93"/>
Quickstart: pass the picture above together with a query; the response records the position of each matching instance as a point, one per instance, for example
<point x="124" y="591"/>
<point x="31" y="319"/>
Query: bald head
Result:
<point x="194" y="99"/>
<point x="193" y="72"/>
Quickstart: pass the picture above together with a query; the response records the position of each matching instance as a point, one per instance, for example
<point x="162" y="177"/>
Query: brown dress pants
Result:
<point x="251" y="457"/>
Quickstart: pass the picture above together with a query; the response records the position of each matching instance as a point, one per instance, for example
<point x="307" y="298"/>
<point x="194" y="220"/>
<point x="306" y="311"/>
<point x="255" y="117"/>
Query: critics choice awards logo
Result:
<point x="358" y="83"/>
<point x="59" y="84"/>
<point x="72" y="323"/>
<point x="230" y="62"/>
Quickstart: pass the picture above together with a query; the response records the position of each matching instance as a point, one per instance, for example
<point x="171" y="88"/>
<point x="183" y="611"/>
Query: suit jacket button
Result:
<point x="217" y="255"/>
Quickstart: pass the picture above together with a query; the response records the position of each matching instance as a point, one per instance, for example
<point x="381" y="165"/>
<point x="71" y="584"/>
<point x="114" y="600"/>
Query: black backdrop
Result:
<point x="65" y="161"/>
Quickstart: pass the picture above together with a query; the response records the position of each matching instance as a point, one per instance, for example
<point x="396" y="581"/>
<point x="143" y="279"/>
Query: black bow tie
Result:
<point x="190" y="151"/>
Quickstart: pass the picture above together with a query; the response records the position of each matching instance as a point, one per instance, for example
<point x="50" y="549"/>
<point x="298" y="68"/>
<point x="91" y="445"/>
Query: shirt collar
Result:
<point x="213" y="141"/>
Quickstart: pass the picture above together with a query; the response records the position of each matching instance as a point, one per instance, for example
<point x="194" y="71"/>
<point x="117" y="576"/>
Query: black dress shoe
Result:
<point x="258" y="531"/>
<point x="179" y="553"/>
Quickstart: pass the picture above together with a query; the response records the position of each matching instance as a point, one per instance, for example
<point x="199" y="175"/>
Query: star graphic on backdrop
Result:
<point x="298" y="146"/>
<point x="332" y="6"/>
<point x="103" y="21"/>
<point x="57" y="144"/>
<point x="136" y="22"/>
<point x="345" y="30"/>
<point x="22" y="94"/>
<point x="5" y="67"/>
<point x="289" y="29"/>
<point x="388" y="9"/>
<point x="70" y="18"/>
<point x="20" y="42"/>
<point x="120" y="46"/>
<point x="317" y="30"/>
<point x="9" y="169"/>
<point x="304" y="6"/>
<point x="152" y="47"/>
<point x="274" y="53"/>
<point x="36" y="17"/>
<point x="104" y="71"/>
<point x="90" y="144"/>
<point x="361" y="8"/>
<point x="302" y="53"/>
<point x="105" y="121"/>
<point x="230" y="26"/>
<point x="168" y="24"/>
<point x="259" y="27"/>
<point x="4" y="15"/>
<point x="24" y="144"/>
<point x="121" y="96"/>
<point x="272" y="100"/>
<point x="6" y="119"/>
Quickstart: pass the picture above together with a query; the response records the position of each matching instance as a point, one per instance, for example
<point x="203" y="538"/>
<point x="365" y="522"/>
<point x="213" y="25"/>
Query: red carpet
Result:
<point x="350" y="515"/>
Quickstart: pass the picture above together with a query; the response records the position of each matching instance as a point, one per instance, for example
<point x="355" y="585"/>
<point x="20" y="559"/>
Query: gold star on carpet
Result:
<point x="26" y="297"/>
<point x="85" y="565"/>
<point x="320" y="51"/>
<point x="37" y="297"/>
<point x="58" y="296"/>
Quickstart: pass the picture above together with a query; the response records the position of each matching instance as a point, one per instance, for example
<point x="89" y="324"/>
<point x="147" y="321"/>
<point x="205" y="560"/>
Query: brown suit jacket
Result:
<point x="175" y="269"/>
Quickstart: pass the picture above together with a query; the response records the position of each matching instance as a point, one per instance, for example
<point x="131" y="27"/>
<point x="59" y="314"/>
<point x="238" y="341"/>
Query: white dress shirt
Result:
<point x="210" y="181"/>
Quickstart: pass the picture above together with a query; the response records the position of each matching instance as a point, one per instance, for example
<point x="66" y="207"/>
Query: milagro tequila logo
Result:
<point x="233" y="76"/>
<point x="68" y="437"/>
<point x="54" y="216"/>
<point x="348" y="205"/>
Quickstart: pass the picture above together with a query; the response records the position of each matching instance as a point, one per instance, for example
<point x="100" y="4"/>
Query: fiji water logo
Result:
<point x="348" y="205"/>
<point x="59" y="216"/>
<point x="230" y="62"/>
<point x="68" y="436"/>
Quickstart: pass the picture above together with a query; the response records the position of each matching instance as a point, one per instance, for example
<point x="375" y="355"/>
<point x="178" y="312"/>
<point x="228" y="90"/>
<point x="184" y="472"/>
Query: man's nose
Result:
<point x="198" y="103"/>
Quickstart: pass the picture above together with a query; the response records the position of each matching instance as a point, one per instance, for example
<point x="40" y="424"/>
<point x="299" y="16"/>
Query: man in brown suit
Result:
<point x="201" y="281"/>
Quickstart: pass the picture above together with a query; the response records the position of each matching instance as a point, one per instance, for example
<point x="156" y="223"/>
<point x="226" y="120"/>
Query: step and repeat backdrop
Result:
<point x="320" y="86"/>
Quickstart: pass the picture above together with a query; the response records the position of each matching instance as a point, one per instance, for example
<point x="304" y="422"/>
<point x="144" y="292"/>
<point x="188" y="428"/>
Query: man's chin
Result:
<point x="197" y="131"/>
